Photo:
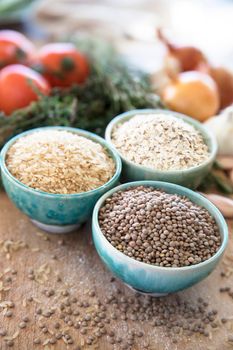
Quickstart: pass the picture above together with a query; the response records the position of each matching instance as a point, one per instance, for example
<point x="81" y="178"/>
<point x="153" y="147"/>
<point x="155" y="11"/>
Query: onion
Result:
<point x="224" y="81"/>
<point x="192" y="93"/>
<point x="189" y="57"/>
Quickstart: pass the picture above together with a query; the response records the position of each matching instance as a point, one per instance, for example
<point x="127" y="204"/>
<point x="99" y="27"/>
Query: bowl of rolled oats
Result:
<point x="163" y="146"/>
<point x="55" y="175"/>
<point x="158" y="237"/>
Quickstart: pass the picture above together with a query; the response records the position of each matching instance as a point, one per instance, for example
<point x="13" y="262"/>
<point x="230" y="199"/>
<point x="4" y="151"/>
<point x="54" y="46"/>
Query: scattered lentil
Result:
<point x="10" y="343"/>
<point x="52" y="341"/>
<point x="22" y="325"/>
<point x="57" y="325"/>
<point x="62" y="242"/>
<point x="26" y="319"/>
<point x="8" y="279"/>
<point x="45" y="330"/>
<point x="11" y="304"/>
<point x="76" y="312"/>
<point x="37" y="341"/>
<point x="230" y="338"/>
<point x="3" y="332"/>
<point x="58" y="336"/>
<point x="39" y="311"/>
<point x="91" y="293"/>
<point x="9" y="313"/>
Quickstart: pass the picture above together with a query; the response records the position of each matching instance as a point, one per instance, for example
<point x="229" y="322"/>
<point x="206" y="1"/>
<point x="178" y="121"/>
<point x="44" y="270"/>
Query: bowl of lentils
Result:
<point x="55" y="175"/>
<point x="163" y="146"/>
<point x="158" y="237"/>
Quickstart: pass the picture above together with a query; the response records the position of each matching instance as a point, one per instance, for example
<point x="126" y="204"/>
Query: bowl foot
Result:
<point x="56" y="229"/>
<point x="146" y="293"/>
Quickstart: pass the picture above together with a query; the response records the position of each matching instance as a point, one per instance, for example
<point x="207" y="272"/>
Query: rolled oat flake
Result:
<point x="160" y="141"/>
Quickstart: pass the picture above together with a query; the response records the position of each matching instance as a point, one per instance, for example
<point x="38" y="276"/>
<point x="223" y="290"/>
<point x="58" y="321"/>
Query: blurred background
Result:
<point x="129" y="23"/>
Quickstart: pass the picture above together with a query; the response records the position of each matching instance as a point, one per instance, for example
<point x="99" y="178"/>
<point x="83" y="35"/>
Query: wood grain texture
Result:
<point x="81" y="270"/>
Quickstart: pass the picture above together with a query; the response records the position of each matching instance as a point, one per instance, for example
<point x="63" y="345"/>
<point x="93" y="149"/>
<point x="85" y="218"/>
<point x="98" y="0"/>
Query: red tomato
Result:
<point x="18" y="86"/>
<point x="62" y="64"/>
<point x="14" y="48"/>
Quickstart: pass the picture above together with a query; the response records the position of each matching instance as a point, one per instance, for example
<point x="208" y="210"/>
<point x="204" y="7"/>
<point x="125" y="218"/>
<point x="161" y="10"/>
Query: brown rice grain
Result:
<point x="58" y="161"/>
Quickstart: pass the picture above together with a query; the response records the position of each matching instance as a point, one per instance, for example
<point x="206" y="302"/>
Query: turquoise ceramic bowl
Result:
<point x="56" y="212"/>
<point x="152" y="279"/>
<point x="191" y="177"/>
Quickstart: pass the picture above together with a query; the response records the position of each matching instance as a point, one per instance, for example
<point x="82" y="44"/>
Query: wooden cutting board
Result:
<point x="70" y="263"/>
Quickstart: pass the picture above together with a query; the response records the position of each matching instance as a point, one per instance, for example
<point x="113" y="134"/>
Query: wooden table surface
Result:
<point x="70" y="263"/>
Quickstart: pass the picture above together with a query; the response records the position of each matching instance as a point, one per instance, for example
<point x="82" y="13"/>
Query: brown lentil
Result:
<point x="91" y="293"/>
<point x="8" y="279"/>
<point x="9" y="313"/>
<point x="37" y="341"/>
<point x="158" y="228"/>
<point x="39" y="311"/>
<point x="57" y="325"/>
<point x="26" y="319"/>
<point x="76" y="312"/>
<point x="22" y="325"/>
<point x="52" y="341"/>
<point x="230" y="338"/>
<point x="10" y="343"/>
<point x="11" y="304"/>
<point x="58" y="336"/>
<point x="3" y="332"/>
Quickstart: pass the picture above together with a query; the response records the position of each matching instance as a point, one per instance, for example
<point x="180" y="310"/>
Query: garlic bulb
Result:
<point x="222" y="126"/>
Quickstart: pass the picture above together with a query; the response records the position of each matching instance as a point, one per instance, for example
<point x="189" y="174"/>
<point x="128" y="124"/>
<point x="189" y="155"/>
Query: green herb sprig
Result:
<point x="112" y="88"/>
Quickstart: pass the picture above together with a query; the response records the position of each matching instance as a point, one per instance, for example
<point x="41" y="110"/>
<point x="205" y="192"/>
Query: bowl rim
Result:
<point x="165" y="186"/>
<point x="123" y="117"/>
<point x="95" y="138"/>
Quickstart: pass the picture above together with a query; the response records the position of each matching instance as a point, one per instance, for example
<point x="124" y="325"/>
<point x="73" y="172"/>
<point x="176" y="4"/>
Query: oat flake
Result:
<point x="160" y="141"/>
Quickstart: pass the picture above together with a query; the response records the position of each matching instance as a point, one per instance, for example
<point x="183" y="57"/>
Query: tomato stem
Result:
<point x="67" y="64"/>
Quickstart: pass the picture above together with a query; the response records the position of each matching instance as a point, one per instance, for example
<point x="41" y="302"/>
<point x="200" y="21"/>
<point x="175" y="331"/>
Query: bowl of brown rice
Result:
<point x="162" y="145"/>
<point x="55" y="175"/>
